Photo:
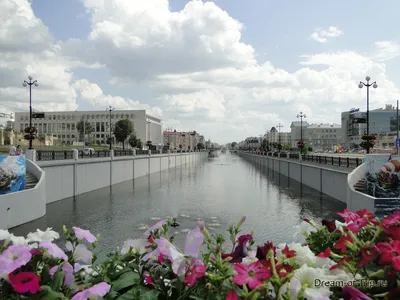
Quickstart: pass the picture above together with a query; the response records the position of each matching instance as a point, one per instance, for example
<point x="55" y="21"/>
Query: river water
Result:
<point x="220" y="191"/>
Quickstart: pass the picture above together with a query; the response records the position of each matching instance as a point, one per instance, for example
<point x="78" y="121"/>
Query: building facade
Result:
<point x="296" y="131"/>
<point x="275" y="137"/>
<point x="322" y="136"/>
<point x="182" y="140"/>
<point x="63" y="125"/>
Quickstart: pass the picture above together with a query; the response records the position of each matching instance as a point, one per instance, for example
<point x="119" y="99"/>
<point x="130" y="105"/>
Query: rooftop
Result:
<point x="324" y="125"/>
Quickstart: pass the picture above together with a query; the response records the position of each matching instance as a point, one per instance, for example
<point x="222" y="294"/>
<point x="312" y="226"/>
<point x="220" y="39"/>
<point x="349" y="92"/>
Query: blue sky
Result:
<point x="279" y="32"/>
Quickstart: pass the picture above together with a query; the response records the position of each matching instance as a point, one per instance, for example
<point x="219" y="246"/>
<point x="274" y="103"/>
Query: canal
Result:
<point x="220" y="191"/>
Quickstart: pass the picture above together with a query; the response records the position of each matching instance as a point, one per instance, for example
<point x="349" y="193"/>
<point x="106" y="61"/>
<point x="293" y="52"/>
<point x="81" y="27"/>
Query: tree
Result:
<point x="133" y="140"/>
<point x="139" y="144"/>
<point x="84" y="127"/>
<point x="200" y="146"/>
<point x="264" y="144"/>
<point x="123" y="129"/>
<point x="42" y="138"/>
<point x="233" y="145"/>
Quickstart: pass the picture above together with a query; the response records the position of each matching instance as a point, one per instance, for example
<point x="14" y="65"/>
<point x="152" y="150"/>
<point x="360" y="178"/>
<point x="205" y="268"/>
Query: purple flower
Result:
<point x="83" y="234"/>
<point x="81" y="253"/>
<point x="69" y="277"/>
<point x="14" y="257"/>
<point x="165" y="248"/>
<point x="194" y="240"/>
<point x="155" y="226"/>
<point x="100" y="289"/>
<point x="201" y="224"/>
<point x="53" y="250"/>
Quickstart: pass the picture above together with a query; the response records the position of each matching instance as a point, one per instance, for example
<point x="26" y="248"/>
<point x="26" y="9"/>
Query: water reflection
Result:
<point x="219" y="191"/>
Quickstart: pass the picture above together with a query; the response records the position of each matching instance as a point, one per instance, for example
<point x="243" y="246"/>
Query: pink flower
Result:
<point x="348" y="215"/>
<point x="357" y="225"/>
<point x="25" y="282"/>
<point x="13" y="257"/>
<point x="148" y="279"/>
<point x="343" y="242"/>
<point x="390" y="254"/>
<point x="325" y="254"/>
<point x="392" y="220"/>
<point x="69" y="277"/>
<point x="165" y="248"/>
<point x="253" y="274"/>
<point x="232" y="295"/>
<point x="53" y="250"/>
<point x="100" y="289"/>
<point x="194" y="240"/>
<point x="155" y="227"/>
<point x="194" y="272"/>
<point x="81" y="253"/>
<point x="83" y="234"/>
<point x="352" y="293"/>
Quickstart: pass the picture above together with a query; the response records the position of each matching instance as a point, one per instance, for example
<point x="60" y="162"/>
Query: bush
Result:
<point x="338" y="260"/>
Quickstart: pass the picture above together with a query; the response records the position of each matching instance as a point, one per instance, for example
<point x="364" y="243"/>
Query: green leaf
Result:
<point x="45" y="274"/>
<point x="150" y="295"/>
<point x="58" y="280"/>
<point x="129" y="295"/>
<point x="49" y="294"/>
<point x="115" y="275"/>
<point x="125" y="280"/>
<point x="195" y="298"/>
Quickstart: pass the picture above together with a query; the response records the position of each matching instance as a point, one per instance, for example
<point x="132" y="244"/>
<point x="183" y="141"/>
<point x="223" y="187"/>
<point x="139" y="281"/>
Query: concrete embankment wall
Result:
<point x="68" y="178"/>
<point x="328" y="181"/>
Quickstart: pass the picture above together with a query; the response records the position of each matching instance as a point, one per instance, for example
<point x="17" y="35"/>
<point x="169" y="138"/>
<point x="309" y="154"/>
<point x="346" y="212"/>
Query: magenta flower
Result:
<point x="194" y="240"/>
<point x="348" y="215"/>
<point x="100" y="289"/>
<point x="83" y="234"/>
<point x="53" y="250"/>
<point x="253" y="274"/>
<point x="357" y="225"/>
<point x="165" y="248"/>
<point x="193" y="273"/>
<point x="24" y="282"/>
<point x="351" y="293"/>
<point x="69" y="277"/>
<point x="155" y="227"/>
<point x="232" y="295"/>
<point x="14" y="257"/>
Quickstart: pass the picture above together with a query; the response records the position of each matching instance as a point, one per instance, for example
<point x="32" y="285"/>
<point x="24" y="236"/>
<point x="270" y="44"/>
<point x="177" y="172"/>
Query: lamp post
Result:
<point x="110" y="109"/>
<point x="30" y="83"/>
<point x="301" y="116"/>
<point x="279" y="126"/>
<point x="361" y="85"/>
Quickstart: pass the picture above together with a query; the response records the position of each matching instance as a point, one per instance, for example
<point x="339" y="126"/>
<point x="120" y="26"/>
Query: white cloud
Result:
<point x="387" y="50"/>
<point x="199" y="72"/>
<point x="323" y="35"/>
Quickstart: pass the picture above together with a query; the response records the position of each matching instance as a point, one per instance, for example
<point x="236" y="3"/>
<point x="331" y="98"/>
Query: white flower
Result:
<point x="306" y="277"/>
<point x="338" y="275"/>
<point x="81" y="253"/>
<point x="321" y="262"/>
<point x="302" y="231"/>
<point x="340" y="225"/>
<point x="250" y="258"/>
<point x="303" y="254"/>
<point x="138" y="246"/>
<point x="4" y="235"/>
<point x="18" y="240"/>
<point x="39" y="236"/>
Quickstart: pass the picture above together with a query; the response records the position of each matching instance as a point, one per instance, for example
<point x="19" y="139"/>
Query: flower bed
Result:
<point x="358" y="259"/>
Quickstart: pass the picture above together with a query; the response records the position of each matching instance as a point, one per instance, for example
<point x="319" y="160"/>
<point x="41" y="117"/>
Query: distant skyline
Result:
<point x="227" y="69"/>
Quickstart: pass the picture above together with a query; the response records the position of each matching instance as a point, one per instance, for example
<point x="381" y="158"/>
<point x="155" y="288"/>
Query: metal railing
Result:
<point x="42" y="155"/>
<point x="339" y="161"/>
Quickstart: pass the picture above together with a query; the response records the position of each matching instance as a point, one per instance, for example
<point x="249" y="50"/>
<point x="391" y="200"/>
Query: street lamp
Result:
<point x="301" y="116"/>
<point x="110" y="109"/>
<point x="374" y="85"/>
<point x="24" y="84"/>
<point x="279" y="126"/>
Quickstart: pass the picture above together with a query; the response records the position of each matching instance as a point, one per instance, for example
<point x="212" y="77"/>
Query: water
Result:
<point x="220" y="191"/>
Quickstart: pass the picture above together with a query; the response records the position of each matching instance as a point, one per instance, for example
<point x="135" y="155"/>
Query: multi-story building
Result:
<point x="354" y="124"/>
<point x="63" y="125"/>
<point x="322" y="136"/>
<point x="181" y="140"/>
<point x="274" y="136"/>
<point x="296" y="131"/>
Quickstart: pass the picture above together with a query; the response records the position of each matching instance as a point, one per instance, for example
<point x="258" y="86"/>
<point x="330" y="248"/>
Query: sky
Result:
<point x="227" y="69"/>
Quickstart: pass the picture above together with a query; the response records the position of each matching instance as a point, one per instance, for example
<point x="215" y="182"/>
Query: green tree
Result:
<point x="84" y="127"/>
<point x="233" y="145"/>
<point x="42" y="138"/>
<point x="139" y="144"/>
<point x="200" y="146"/>
<point x="122" y="130"/>
<point x="133" y="140"/>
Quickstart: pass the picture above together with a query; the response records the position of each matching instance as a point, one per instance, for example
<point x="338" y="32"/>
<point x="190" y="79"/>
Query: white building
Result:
<point x="322" y="136"/>
<point x="275" y="137"/>
<point x="63" y="125"/>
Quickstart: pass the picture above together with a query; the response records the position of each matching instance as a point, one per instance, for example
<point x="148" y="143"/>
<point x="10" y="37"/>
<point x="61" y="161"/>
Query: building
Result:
<point x="295" y="130"/>
<point x="322" y="136"/>
<point x="354" y="124"/>
<point x="181" y="140"/>
<point x="275" y="137"/>
<point x="63" y="125"/>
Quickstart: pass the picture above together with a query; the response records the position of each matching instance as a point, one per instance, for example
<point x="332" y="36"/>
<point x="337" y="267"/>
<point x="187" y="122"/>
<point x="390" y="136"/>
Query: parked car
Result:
<point x="88" y="151"/>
